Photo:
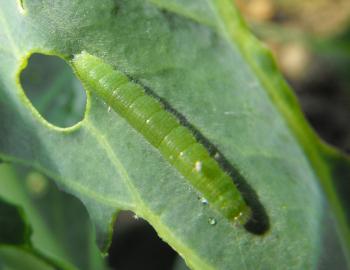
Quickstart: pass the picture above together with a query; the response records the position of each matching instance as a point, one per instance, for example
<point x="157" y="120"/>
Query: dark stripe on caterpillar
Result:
<point x="165" y="131"/>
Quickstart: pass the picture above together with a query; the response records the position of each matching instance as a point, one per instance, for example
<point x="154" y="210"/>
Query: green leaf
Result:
<point x="14" y="230"/>
<point x="60" y="234"/>
<point x="15" y="241"/>
<point x="14" y="258"/>
<point x="199" y="57"/>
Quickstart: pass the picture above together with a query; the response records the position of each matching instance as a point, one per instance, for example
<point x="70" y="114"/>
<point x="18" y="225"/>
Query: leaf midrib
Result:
<point x="141" y="208"/>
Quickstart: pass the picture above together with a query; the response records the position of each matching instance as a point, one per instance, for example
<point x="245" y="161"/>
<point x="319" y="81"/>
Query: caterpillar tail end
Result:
<point x="243" y="217"/>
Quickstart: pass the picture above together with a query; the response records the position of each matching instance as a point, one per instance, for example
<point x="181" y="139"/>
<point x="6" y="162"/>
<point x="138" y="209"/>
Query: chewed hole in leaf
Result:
<point x="53" y="89"/>
<point x="136" y="245"/>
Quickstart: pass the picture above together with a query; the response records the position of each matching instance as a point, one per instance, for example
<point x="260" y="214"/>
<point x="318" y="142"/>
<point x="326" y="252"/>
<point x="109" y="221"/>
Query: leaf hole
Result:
<point x="136" y="245"/>
<point x="53" y="89"/>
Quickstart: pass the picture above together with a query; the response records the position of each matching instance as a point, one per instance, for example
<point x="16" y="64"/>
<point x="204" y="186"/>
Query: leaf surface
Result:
<point x="199" y="57"/>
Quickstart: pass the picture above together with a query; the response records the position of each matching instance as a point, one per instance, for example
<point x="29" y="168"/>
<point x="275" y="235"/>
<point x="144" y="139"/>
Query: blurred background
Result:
<point x="311" y="44"/>
<point x="310" y="41"/>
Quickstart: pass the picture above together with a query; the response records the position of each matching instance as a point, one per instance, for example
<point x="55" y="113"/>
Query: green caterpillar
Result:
<point x="161" y="128"/>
